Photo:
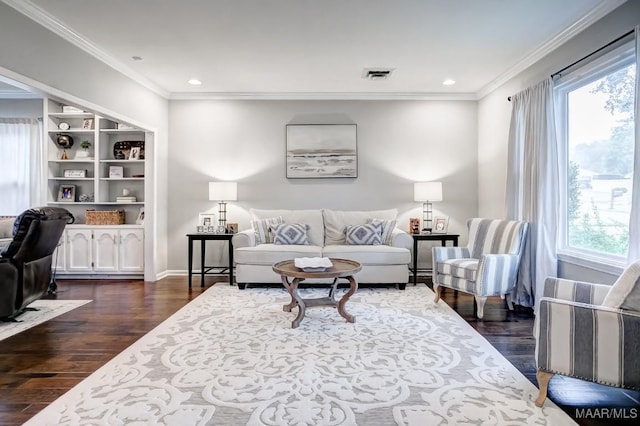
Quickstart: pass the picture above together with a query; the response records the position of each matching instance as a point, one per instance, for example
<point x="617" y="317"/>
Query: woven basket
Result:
<point x="104" y="217"/>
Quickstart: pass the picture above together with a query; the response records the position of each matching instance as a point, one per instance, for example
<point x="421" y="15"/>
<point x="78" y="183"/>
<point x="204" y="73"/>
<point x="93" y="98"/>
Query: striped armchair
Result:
<point x="488" y="266"/>
<point x="577" y="335"/>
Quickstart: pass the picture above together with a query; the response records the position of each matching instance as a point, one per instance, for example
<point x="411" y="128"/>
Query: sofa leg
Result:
<point x="507" y="298"/>
<point x="402" y="286"/>
<point x="436" y="289"/>
<point x="543" y="384"/>
<point x="480" y="301"/>
<point x="242" y="286"/>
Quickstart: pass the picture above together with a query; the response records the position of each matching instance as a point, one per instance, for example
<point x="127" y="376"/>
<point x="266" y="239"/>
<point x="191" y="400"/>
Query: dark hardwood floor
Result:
<point x="42" y="363"/>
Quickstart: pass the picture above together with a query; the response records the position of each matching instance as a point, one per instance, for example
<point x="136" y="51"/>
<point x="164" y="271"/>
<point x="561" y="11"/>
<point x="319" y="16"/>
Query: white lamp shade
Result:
<point x="223" y="191"/>
<point x="427" y="191"/>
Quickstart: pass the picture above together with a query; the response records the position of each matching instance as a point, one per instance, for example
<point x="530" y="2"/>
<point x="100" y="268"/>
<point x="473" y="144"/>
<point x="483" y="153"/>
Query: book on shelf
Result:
<point x="126" y="199"/>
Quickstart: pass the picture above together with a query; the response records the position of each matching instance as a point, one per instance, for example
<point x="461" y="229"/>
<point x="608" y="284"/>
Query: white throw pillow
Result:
<point x="336" y="222"/>
<point x="625" y="292"/>
<point x="291" y="233"/>
<point x="263" y="229"/>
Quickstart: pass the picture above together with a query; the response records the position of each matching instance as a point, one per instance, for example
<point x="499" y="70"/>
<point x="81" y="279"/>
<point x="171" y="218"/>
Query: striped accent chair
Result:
<point x="578" y="335"/>
<point x="488" y="266"/>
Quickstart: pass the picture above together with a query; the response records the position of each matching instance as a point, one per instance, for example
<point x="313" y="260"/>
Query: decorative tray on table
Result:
<point x="312" y="264"/>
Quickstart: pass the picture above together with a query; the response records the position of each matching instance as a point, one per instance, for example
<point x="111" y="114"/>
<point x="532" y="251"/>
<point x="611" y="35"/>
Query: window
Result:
<point x="595" y="118"/>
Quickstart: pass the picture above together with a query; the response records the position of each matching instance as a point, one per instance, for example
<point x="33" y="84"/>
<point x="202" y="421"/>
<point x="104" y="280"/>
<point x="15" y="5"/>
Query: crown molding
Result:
<point x="549" y="46"/>
<point x="38" y="15"/>
<point x="334" y="96"/>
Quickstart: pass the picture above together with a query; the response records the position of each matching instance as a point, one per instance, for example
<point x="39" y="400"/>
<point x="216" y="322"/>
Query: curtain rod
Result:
<point x="588" y="56"/>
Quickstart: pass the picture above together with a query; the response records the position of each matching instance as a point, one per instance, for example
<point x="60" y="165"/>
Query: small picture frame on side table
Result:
<point x="67" y="193"/>
<point x="440" y="225"/>
<point x="206" y="220"/>
<point x="232" y="228"/>
<point x="414" y="225"/>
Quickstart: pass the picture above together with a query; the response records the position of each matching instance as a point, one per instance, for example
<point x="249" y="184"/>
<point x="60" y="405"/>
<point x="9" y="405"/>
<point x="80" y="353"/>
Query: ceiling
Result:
<point x="317" y="49"/>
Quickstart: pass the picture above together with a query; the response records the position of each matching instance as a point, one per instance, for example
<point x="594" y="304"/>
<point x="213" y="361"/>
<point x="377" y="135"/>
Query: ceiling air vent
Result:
<point x="377" y="73"/>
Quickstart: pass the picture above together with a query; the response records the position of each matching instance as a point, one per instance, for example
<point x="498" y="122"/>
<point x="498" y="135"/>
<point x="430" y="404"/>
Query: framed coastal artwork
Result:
<point x="322" y="151"/>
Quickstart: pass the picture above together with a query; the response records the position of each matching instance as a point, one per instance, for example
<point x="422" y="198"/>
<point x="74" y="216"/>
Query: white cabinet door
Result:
<point x="105" y="250"/>
<point x="79" y="250"/>
<point x="131" y="250"/>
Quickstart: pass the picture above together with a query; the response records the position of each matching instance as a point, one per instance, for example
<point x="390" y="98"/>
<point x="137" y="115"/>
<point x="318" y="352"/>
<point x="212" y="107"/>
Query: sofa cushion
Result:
<point x="625" y="292"/>
<point x="387" y="229"/>
<point x="369" y="255"/>
<point x="268" y="254"/>
<point x="262" y="228"/>
<point x="367" y="234"/>
<point x="290" y="233"/>
<point x="336" y="222"/>
<point x="313" y="218"/>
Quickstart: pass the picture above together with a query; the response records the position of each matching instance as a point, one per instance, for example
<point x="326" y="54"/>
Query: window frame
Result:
<point x="614" y="59"/>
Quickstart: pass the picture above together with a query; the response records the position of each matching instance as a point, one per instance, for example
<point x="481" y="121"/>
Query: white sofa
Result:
<point x="381" y="264"/>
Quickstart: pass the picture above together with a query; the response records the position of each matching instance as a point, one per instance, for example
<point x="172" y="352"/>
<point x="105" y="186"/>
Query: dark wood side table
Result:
<point x="203" y="237"/>
<point x="443" y="238"/>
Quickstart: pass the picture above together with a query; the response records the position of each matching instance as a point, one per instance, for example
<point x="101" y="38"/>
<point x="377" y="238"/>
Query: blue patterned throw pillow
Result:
<point x="369" y="234"/>
<point x="290" y="233"/>
<point x="387" y="229"/>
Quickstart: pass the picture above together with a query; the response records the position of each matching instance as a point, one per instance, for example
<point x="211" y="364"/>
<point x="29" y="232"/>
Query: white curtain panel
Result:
<point x="634" y="222"/>
<point x="532" y="186"/>
<point x="21" y="171"/>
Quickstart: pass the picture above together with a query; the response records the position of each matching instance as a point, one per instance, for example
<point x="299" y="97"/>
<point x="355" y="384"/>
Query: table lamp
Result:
<point x="223" y="192"/>
<point x="426" y="192"/>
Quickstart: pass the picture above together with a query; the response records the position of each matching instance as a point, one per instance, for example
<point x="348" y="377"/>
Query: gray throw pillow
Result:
<point x="290" y="233"/>
<point x="368" y="234"/>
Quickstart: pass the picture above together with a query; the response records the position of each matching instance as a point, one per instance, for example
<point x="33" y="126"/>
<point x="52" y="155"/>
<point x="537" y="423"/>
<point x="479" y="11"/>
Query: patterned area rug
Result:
<point x="46" y="309"/>
<point x="230" y="357"/>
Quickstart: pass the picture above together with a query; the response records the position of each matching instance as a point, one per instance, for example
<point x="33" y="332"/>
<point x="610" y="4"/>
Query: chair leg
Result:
<point x="507" y="298"/>
<point x="436" y="289"/>
<point x="480" y="301"/>
<point x="543" y="384"/>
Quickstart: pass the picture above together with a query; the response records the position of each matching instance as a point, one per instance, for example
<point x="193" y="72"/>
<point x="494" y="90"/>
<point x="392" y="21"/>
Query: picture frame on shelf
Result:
<point x="87" y="124"/>
<point x="206" y="219"/>
<point x="440" y="225"/>
<point x="67" y="193"/>
<point x="140" y="218"/>
<point x="116" y="172"/>
<point x="135" y="153"/>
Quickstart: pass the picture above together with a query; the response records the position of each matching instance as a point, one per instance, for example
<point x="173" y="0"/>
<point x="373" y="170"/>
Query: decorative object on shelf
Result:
<point x="414" y="225"/>
<point x="104" y="217"/>
<point x="122" y="126"/>
<point x="131" y="199"/>
<point x="232" y="228"/>
<point x="206" y="219"/>
<point x="440" y="225"/>
<point x="322" y="151"/>
<point x="87" y="124"/>
<point x="71" y="173"/>
<point x="63" y="125"/>
<point x="84" y="153"/>
<point x="71" y="109"/>
<point x="116" y="172"/>
<point x="126" y="192"/>
<point x="64" y="141"/>
<point x="86" y="198"/>
<point x="427" y="192"/>
<point x="134" y="154"/>
<point x="138" y="175"/>
<point x="67" y="193"/>
<point x="140" y="218"/>
<point x="122" y="149"/>
<point x="64" y="155"/>
<point x="223" y="192"/>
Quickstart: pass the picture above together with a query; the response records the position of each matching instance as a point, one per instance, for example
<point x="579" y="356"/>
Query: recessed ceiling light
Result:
<point x="449" y="82"/>
<point x="194" y="82"/>
<point x="136" y="58"/>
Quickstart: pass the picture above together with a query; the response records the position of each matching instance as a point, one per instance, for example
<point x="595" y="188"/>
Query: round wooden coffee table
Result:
<point x="342" y="268"/>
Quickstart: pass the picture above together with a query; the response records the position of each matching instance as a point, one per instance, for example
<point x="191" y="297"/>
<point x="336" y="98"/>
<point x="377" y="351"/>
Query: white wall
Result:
<point x="31" y="54"/>
<point x="21" y="108"/>
<point x="494" y="112"/>
<point x="399" y="143"/>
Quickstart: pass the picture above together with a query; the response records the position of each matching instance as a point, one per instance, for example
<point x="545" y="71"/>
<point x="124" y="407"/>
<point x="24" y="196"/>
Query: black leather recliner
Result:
<point x="25" y="264"/>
